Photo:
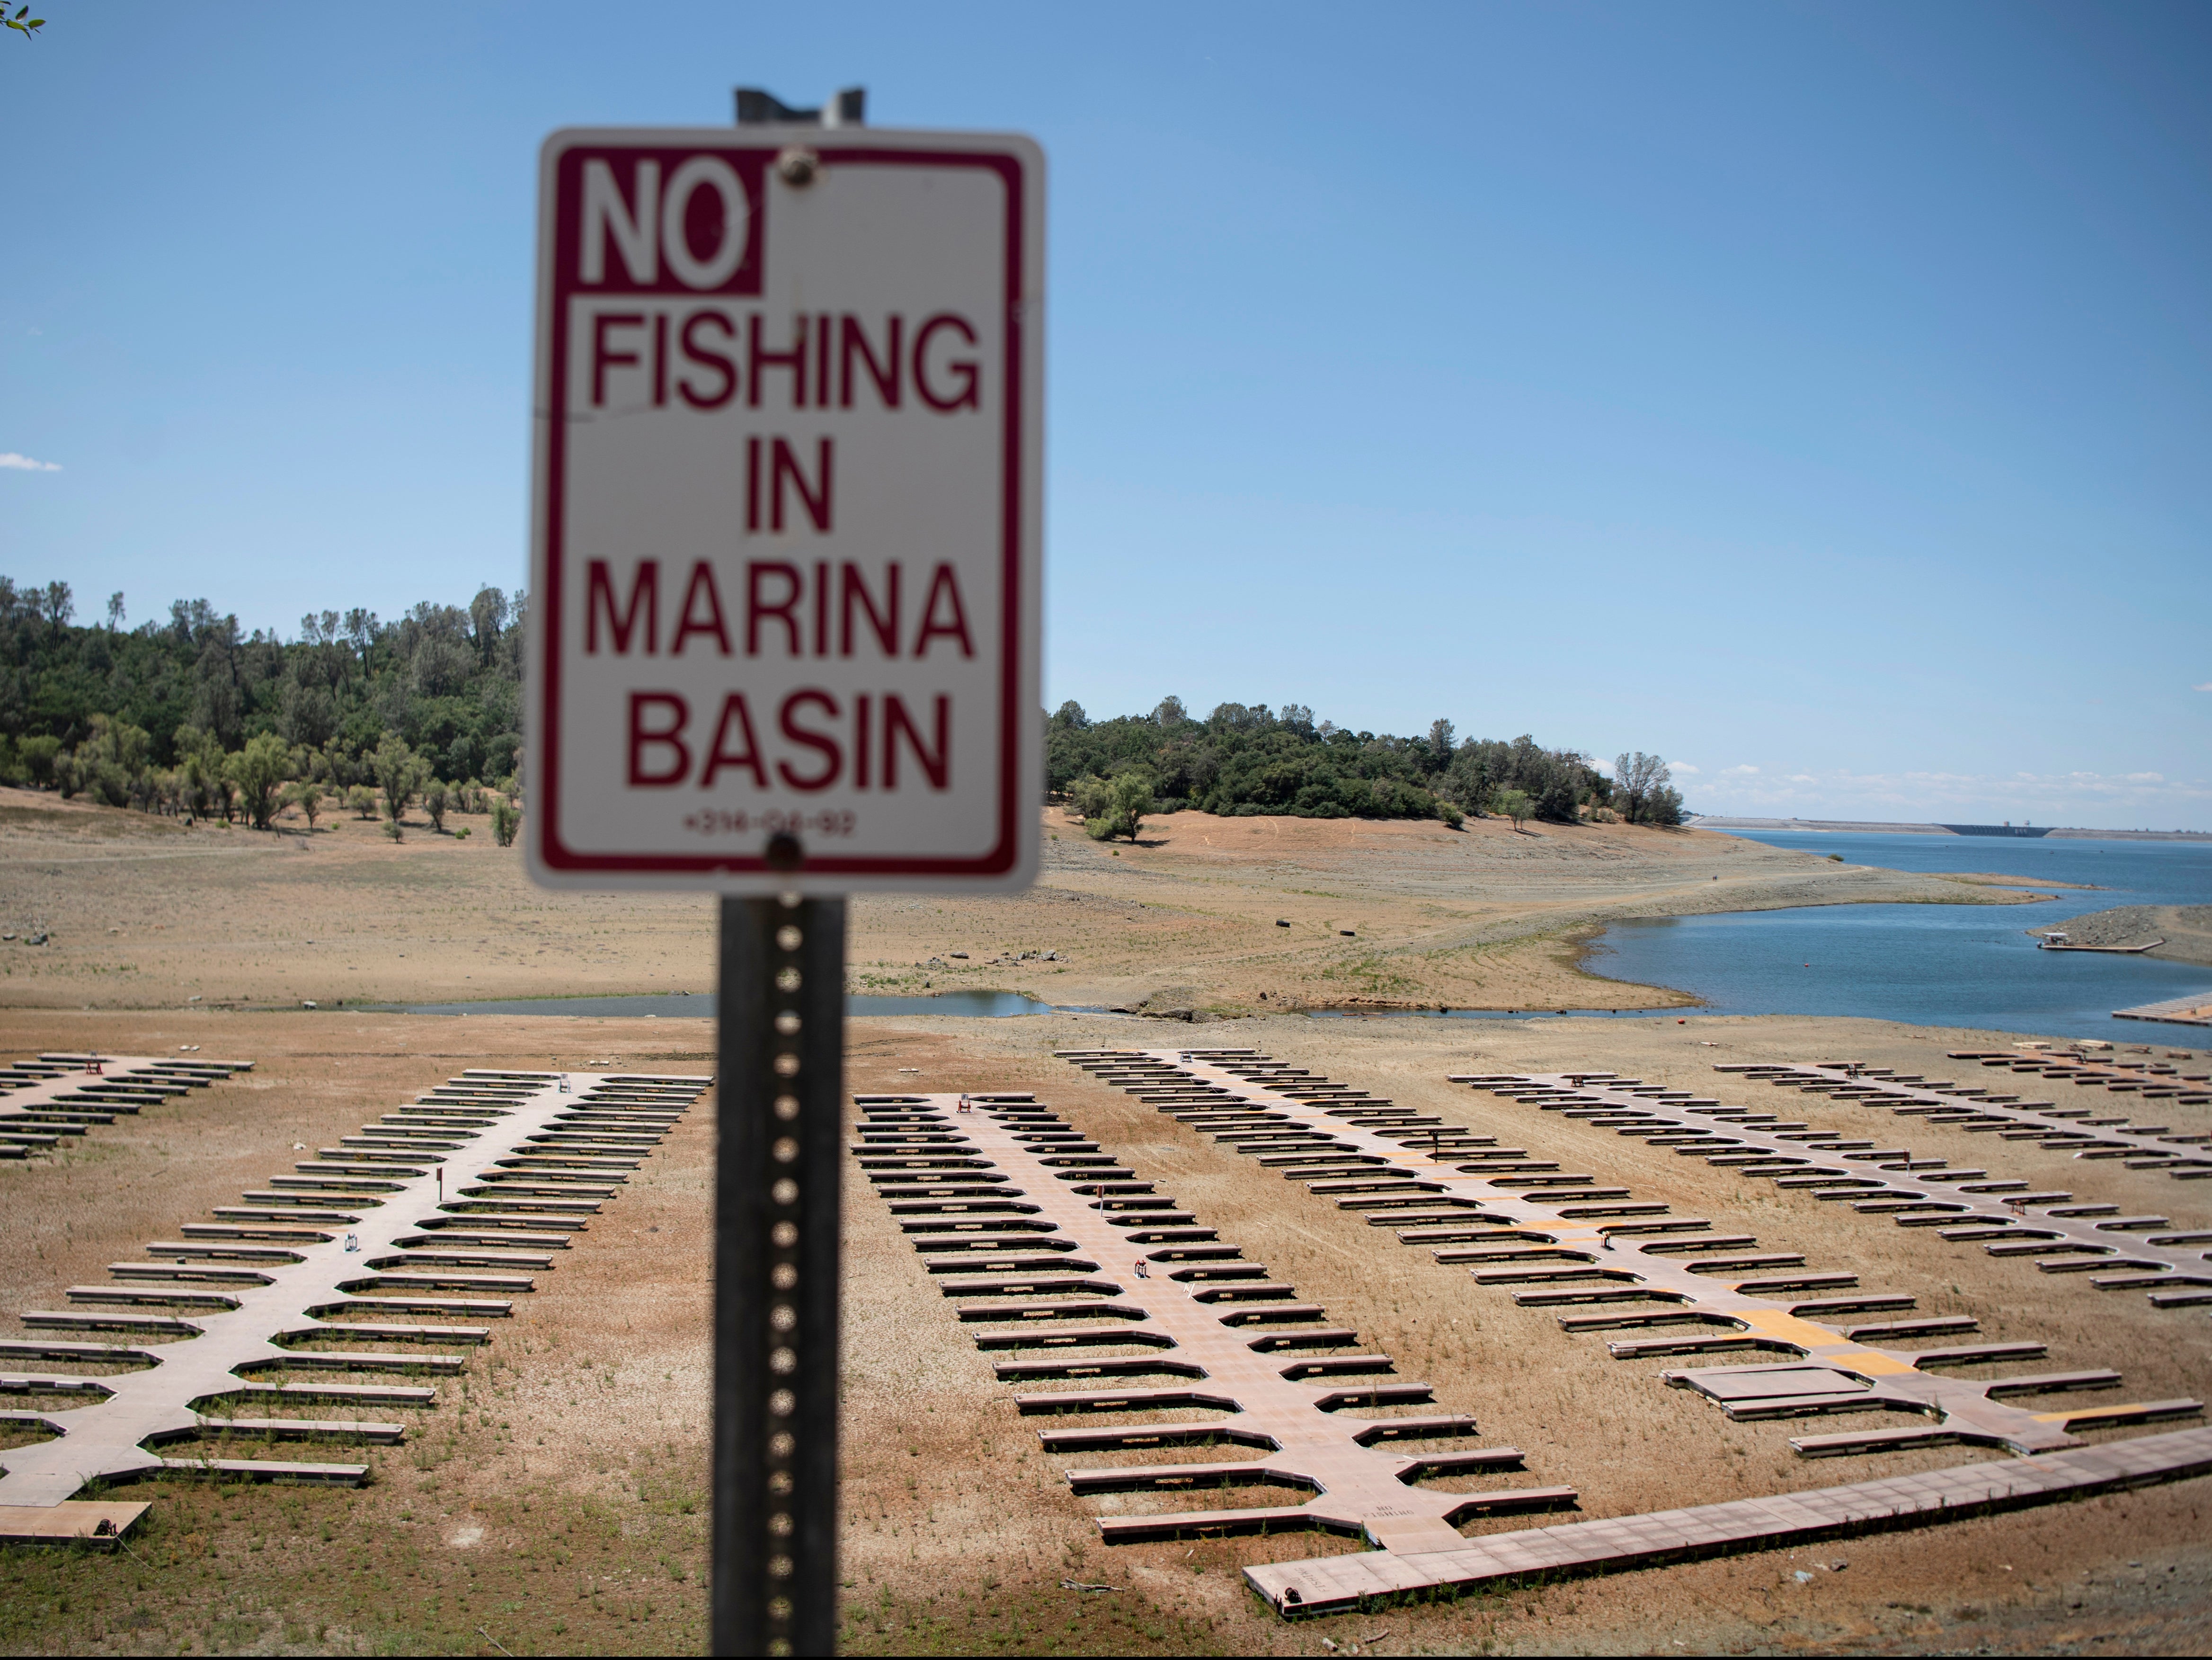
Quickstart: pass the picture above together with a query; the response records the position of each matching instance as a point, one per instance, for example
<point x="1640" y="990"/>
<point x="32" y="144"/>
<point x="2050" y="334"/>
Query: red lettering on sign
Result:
<point x="661" y="754"/>
<point x="945" y="585"/>
<point x="854" y="337"/>
<point x="669" y="737"/>
<point x="757" y="358"/>
<point x="734" y="714"/>
<point x="758" y="610"/>
<point x="937" y="765"/>
<point x="603" y="359"/>
<point x="689" y="623"/>
<point x="833" y="755"/>
<point x="784" y="467"/>
<point x="634" y="233"/>
<point x="706" y="358"/>
<point x="965" y="369"/>
<point x="852" y="585"/>
<point x="600" y="596"/>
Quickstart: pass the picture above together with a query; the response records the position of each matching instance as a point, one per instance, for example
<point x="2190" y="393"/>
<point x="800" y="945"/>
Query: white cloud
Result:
<point x="1738" y="772"/>
<point x="25" y="464"/>
<point x="2204" y="686"/>
<point x="1682" y="767"/>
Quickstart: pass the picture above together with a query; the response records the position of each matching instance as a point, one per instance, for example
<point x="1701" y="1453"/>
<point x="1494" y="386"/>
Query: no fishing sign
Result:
<point x="786" y="548"/>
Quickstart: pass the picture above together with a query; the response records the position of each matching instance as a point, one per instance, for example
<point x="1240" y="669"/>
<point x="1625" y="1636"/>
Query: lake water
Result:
<point x="1945" y="965"/>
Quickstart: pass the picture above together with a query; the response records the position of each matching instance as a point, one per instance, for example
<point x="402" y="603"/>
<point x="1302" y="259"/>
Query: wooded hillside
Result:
<point x="189" y="713"/>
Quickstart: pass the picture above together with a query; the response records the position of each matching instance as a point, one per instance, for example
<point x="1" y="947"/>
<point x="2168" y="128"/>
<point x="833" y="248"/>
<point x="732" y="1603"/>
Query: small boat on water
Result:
<point x="2057" y="939"/>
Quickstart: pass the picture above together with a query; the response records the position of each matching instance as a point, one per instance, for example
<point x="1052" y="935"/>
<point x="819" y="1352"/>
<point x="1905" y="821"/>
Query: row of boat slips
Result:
<point x="2058" y="1231"/>
<point x="52" y="1097"/>
<point x="1517" y="1220"/>
<point x="2153" y="1080"/>
<point x="1048" y="1248"/>
<point x="367" y="1261"/>
<point x="2182" y="1154"/>
<point x="1617" y="1264"/>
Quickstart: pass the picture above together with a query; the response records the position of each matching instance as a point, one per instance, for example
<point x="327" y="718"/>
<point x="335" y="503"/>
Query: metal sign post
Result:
<point x="776" y="1180"/>
<point x="784" y="637"/>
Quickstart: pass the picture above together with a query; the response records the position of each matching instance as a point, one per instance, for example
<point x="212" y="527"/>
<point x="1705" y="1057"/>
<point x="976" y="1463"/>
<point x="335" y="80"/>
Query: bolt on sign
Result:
<point x="787" y="542"/>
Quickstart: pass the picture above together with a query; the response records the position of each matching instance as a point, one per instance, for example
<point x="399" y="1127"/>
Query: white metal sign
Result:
<point x="786" y="549"/>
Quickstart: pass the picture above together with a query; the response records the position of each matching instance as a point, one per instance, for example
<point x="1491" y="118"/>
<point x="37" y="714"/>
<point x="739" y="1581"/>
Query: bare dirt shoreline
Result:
<point x="555" y="1499"/>
<point x="1224" y="915"/>
<point x="2185" y="930"/>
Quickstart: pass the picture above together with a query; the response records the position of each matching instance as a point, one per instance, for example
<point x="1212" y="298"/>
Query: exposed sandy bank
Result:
<point x="556" y="1503"/>
<point x="145" y="912"/>
<point x="2187" y="930"/>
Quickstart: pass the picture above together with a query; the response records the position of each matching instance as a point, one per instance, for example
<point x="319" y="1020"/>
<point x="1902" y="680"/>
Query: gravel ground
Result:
<point x="2187" y="930"/>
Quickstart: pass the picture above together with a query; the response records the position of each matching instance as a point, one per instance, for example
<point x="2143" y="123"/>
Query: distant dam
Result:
<point x="1706" y="821"/>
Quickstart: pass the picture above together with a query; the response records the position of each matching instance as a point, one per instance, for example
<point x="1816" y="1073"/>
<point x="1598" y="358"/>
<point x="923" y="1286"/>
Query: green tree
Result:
<point x="37" y="757"/>
<point x="204" y="785"/>
<point x="258" y="771"/>
<point x="1128" y="799"/>
<point x="435" y="801"/>
<point x="506" y="821"/>
<point x="1638" y="778"/>
<point x="307" y="796"/>
<point x="399" y="773"/>
<point x="111" y="761"/>
<point x="1090" y="795"/>
<point x="1514" y="804"/>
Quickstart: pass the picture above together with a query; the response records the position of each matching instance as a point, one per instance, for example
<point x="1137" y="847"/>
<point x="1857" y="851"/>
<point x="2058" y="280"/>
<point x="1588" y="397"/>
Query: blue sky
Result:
<point x="1816" y="395"/>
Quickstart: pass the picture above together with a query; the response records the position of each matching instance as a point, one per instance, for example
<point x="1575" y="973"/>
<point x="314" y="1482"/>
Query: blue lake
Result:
<point x="1946" y="965"/>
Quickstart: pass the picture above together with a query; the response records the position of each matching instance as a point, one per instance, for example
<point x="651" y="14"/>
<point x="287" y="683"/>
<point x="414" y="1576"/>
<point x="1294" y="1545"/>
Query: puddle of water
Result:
<point x="989" y="1005"/>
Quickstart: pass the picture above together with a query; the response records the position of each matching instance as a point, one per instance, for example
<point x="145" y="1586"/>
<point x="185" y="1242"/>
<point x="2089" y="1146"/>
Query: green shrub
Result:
<point x="258" y="772"/>
<point x="1122" y="802"/>
<point x="1245" y="760"/>
<point x="37" y="757"/>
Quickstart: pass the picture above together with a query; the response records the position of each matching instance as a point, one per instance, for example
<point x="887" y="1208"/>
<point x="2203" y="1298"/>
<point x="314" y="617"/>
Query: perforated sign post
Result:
<point x="784" y="634"/>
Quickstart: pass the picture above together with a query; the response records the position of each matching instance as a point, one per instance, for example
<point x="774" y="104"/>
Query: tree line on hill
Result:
<point x="192" y="715"/>
<point x="195" y="717"/>
<point x="1244" y="760"/>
